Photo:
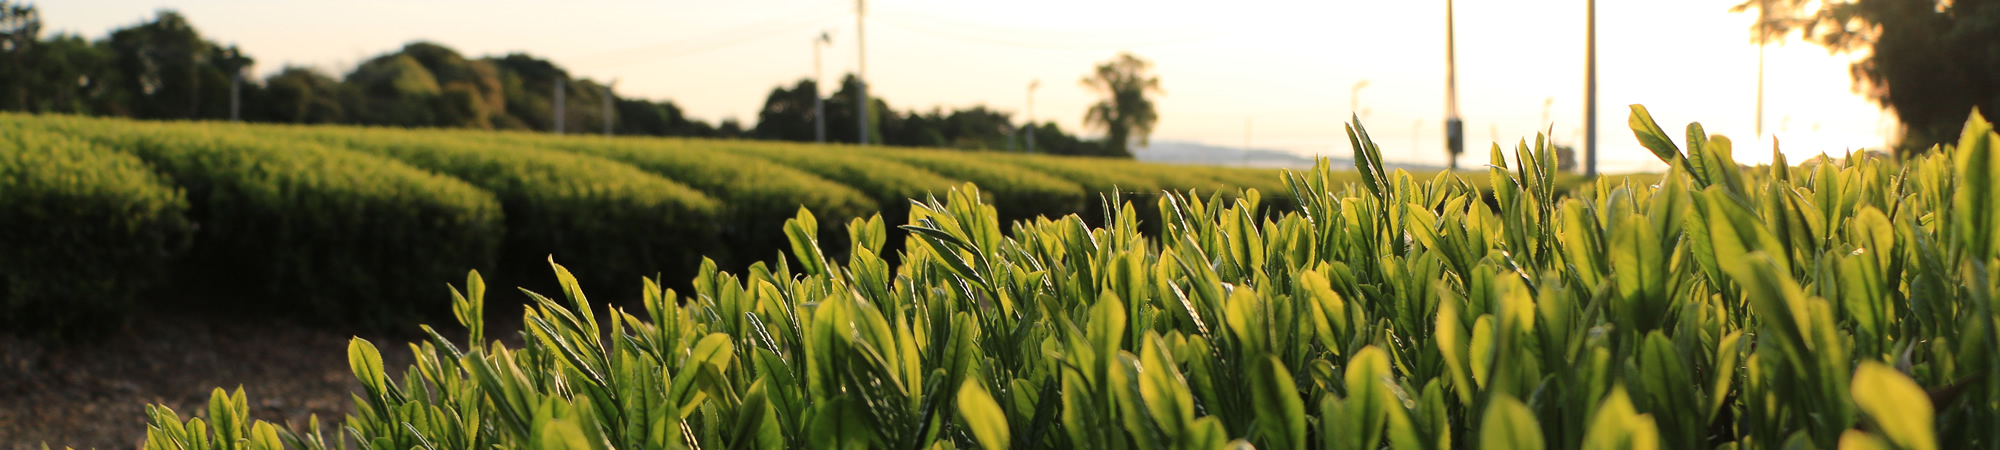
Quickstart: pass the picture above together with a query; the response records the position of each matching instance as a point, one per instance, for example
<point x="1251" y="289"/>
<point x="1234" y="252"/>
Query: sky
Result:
<point x="1264" y="74"/>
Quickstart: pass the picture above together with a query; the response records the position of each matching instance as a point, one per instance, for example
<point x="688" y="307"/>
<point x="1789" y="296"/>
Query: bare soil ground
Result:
<point x="93" y="395"/>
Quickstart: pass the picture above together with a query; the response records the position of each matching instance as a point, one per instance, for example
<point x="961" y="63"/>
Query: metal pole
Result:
<point x="607" y="107"/>
<point x="236" y="96"/>
<point x="559" y="105"/>
<point x="1454" y="128"/>
<point x="1354" y="97"/>
<point x="861" y="80"/>
<point x="819" y="104"/>
<point x="1032" y="84"/>
<point x="1590" y="90"/>
<point x="1763" y="18"/>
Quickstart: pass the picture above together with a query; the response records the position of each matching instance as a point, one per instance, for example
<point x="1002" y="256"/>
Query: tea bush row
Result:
<point x="619" y="221"/>
<point x="299" y="227"/>
<point x="83" y="230"/>
<point x="1844" y="304"/>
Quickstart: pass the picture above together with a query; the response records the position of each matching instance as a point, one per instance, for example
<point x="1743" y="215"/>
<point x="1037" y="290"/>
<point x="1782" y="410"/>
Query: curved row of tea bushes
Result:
<point x="298" y="227"/>
<point x="83" y="230"/>
<point x="890" y="184"/>
<point x="1848" y="305"/>
<point x="1024" y="194"/>
<point x="756" y="195"/>
<point x="623" y="223"/>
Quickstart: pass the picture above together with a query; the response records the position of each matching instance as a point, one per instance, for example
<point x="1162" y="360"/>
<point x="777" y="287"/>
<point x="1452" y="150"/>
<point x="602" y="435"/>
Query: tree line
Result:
<point x="164" y="69"/>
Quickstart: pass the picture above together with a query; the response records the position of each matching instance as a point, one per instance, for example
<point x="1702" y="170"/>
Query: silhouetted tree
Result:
<point x="788" y="113"/>
<point x="303" y="95"/>
<point x="1051" y="139"/>
<point x="840" y="114"/>
<point x="1126" y="113"/>
<point x="165" y="70"/>
<point x="1929" y="61"/>
<point x="61" y="74"/>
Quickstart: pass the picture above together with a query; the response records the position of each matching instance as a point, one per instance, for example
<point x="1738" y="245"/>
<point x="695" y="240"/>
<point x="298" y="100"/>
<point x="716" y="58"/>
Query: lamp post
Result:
<point x="819" y="104"/>
<point x="1354" y="97"/>
<point x="1590" y="89"/>
<point x="608" y="100"/>
<point x="861" y="79"/>
<point x="1454" y="128"/>
<point x="1032" y="84"/>
<point x="560" y="88"/>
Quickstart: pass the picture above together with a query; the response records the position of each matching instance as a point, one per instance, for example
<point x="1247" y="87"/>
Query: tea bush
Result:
<point x="1846" y="304"/>
<point x="83" y="230"/>
<point x="302" y="228"/>
<point x="620" y="222"/>
<point x="1022" y="193"/>
<point x="755" y="195"/>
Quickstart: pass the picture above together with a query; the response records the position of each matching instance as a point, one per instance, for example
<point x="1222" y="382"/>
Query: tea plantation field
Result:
<point x="1847" y="303"/>
<point x="367" y="225"/>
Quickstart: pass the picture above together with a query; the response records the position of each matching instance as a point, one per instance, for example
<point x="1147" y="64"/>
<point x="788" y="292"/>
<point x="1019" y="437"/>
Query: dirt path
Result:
<point x="94" y="395"/>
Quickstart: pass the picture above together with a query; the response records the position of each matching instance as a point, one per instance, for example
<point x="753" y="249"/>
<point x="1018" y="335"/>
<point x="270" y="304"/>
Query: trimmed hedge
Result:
<point x="1023" y="193"/>
<point x="891" y="184"/>
<point x="621" y="222"/>
<point x="301" y="228"/>
<point x="756" y="195"/>
<point x="83" y="230"/>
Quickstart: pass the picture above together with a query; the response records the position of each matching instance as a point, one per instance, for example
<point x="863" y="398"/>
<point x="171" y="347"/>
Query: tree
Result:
<point x="1125" y="113"/>
<point x="20" y="32"/>
<point x="528" y="84"/>
<point x="1050" y="139"/>
<point x="60" y="74"/>
<point x="303" y="95"/>
<point x="1929" y="61"/>
<point x="165" y="70"/>
<point x="841" y="117"/>
<point x="788" y="113"/>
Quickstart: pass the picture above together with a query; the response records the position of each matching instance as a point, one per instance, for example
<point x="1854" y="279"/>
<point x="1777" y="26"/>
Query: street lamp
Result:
<point x="1354" y="96"/>
<point x="1454" y="128"/>
<point x="1032" y="84"/>
<point x="819" y="104"/>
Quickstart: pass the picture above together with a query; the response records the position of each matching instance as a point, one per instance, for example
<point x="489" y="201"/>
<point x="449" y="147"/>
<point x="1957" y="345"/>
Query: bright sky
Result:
<point x="1275" y="73"/>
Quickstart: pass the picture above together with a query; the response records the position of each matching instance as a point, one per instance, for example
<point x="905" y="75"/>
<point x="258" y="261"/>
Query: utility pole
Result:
<point x="819" y="104"/>
<point x="607" y="106"/>
<point x="560" y="87"/>
<point x="1590" y="90"/>
<point x="1763" y="22"/>
<point x="1246" y="136"/>
<point x="861" y="80"/>
<point x="1354" y="97"/>
<point x="1546" y="103"/>
<point x="1454" y="128"/>
<point x="236" y="96"/>
<point x="1246" y="140"/>
<point x="234" y="61"/>
<point x="1032" y="84"/>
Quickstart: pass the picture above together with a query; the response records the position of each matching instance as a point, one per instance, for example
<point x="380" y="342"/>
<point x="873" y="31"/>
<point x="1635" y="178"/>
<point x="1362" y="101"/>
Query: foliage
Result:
<point x="1929" y="61"/>
<point x="1126" y="113"/>
<point x="300" y="228"/>
<point x="755" y="196"/>
<point x="1845" y="304"/>
<point x="620" y="222"/>
<point x="87" y="229"/>
<point x="1023" y="193"/>
<point x="889" y="183"/>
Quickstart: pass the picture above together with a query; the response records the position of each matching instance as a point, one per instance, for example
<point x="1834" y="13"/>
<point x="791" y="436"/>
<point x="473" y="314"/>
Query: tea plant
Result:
<point x="301" y="228"/>
<point x="1845" y="304"/>
<point x="83" y="230"/>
